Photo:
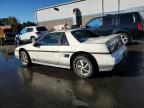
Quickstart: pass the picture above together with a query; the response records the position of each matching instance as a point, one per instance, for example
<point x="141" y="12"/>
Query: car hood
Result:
<point x="101" y="39"/>
<point x="26" y="46"/>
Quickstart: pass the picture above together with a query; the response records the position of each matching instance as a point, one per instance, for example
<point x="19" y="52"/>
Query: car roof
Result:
<point x="116" y="14"/>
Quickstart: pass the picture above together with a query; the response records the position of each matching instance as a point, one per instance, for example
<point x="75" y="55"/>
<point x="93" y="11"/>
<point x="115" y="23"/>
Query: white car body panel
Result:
<point x="107" y="62"/>
<point x="46" y="54"/>
<point x="59" y="56"/>
<point x="100" y="40"/>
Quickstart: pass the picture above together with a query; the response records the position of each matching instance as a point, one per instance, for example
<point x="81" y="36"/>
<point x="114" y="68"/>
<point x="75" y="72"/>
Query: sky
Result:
<point x="24" y="10"/>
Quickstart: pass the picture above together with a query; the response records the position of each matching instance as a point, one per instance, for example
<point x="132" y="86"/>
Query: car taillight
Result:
<point x="139" y="26"/>
<point x="38" y="33"/>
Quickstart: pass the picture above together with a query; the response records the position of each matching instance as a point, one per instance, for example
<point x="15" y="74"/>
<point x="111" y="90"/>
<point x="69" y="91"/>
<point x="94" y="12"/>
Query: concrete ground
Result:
<point x="47" y="87"/>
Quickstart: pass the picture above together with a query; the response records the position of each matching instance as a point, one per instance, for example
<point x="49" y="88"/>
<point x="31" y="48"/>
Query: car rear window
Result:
<point x="41" y="29"/>
<point x="83" y="35"/>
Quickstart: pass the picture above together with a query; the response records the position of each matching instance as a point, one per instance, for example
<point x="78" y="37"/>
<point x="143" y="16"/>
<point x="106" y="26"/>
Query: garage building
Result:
<point x="79" y="12"/>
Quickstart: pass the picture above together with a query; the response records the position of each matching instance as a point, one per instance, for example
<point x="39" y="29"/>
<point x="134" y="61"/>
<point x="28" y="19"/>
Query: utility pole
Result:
<point x="102" y="7"/>
<point x="118" y="6"/>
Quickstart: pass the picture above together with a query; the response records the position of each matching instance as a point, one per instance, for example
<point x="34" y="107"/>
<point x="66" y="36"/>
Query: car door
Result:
<point x="108" y="25"/>
<point x="46" y="50"/>
<point x="102" y="26"/>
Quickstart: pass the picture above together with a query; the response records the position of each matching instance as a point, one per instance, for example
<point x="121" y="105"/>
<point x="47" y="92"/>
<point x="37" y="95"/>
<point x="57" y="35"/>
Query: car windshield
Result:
<point x="83" y="35"/>
<point x="41" y="29"/>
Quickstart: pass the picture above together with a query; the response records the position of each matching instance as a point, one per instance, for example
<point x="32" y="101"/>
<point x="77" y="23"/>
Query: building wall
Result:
<point x="89" y="9"/>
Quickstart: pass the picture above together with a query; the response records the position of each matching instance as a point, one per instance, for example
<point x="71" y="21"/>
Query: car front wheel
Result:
<point x="83" y="66"/>
<point x="25" y="60"/>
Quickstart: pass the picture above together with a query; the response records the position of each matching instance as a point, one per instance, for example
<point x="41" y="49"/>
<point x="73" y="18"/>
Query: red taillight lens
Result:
<point x="139" y="26"/>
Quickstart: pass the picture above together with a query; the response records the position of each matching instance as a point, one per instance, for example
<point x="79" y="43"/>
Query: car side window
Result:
<point x="64" y="40"/>
<point x="126" y="19"/>
<point x="29" y="30"/>
<point x="23" y="31"/>
<point x="51" y="39"/>
<point x="107" y="20"/>
<point x="96" y="22"/>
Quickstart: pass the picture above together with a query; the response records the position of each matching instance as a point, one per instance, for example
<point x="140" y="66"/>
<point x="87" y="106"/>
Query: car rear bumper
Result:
<point x="107" y="62"/>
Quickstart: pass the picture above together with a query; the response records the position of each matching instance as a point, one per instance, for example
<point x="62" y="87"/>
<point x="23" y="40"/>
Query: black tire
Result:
<point x="25" y="59"/>
<point x="83" y="66"/>
<point x="125" y="38"/>
<point x="33" y="39"/>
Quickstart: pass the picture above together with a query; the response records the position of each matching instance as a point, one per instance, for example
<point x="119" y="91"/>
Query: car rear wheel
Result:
<point x="125" y="38"/>
<point x="33" y="39"/>
<point x="83" y="66"/>
<point x="25" y="59"/>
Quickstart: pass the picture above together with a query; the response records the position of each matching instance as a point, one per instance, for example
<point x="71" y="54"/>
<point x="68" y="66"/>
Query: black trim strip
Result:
<point x="99" y="53"/>
<point x="66" y="52"/>
<point x="50" y="51"/>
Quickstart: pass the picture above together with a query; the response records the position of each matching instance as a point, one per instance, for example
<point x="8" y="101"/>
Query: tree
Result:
<point x="15" y="24"/>
<point x="3" y="21"/>
<point x="28" y="23"/>
<point x="12" y="21"/>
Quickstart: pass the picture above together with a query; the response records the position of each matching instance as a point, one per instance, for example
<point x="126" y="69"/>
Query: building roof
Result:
<point x="60" y="5"/>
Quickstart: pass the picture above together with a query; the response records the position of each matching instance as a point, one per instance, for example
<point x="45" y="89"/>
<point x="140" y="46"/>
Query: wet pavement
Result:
<point x="47" y="87"/>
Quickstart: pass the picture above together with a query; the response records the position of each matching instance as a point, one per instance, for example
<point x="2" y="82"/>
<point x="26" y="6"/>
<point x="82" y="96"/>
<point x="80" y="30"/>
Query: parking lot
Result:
<point x="47" y="87"/>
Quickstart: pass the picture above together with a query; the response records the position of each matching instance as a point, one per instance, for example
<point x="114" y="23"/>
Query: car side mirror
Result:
<point x="36" y="44"/>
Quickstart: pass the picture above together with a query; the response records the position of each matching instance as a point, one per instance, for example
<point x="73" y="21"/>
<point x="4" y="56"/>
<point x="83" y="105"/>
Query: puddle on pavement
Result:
<point x="8" y="57"/>
<point x="44" y="88"/>
<point x="65" y="92"/>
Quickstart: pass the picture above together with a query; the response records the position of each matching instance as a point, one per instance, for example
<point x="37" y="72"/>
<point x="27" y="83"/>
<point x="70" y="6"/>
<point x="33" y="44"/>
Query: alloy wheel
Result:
<point x="83" y="66"/>
<point x="24" y="58"/>
<point x="125" y="38"/>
